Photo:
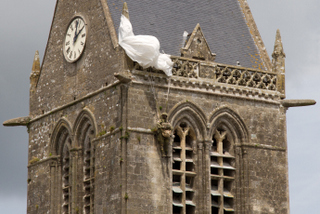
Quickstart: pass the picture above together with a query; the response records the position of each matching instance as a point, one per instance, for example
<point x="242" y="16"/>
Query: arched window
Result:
<point x="63" y="147"/>
<point x="88" y="167"/>
<point x="183" y="169"/>
<point x="66" y="178"/>
<point x="222" y="171"/>
<point x="85" y="133"/>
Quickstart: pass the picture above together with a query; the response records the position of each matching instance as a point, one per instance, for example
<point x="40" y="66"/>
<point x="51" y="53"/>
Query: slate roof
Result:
<point x="222" y="22"/>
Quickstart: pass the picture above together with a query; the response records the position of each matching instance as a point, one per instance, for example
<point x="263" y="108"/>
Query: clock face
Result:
<point x="75" y="39"/>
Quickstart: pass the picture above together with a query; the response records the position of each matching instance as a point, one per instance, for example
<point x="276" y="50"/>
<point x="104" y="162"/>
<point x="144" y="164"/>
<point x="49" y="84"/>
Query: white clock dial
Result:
<point x="75" y="40"/>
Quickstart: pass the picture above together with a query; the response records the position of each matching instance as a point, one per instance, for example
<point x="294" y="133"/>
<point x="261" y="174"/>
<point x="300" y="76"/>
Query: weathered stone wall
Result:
<point x="148" y="176"/>
<point x="61" y="82"/>
<point x="268" y="181"/>
<point x="108" y="174"/>
<point x="39" y="188"/>
<point x="263" y="165"/>
<point x="104" y="107"/>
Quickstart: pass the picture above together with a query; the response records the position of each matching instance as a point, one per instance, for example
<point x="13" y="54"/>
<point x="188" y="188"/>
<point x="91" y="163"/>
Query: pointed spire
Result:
<point x="278" y="47"/>
<point x="125" y="10"/>
<point x="278" y="64"/>
<point x="35" y="70"/>
<point x="36" y="63"/>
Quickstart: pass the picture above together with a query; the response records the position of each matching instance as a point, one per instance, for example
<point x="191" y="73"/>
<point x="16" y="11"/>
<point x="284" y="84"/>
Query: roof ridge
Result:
<point x="111" y="27"/>
<point x="255" y="33"/>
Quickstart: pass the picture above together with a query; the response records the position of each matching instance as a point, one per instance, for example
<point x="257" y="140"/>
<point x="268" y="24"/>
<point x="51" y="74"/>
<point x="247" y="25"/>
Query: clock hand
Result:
<point x="76" y="37"/>
<point x="80" y="30"/>
<point x="75" y="32"/>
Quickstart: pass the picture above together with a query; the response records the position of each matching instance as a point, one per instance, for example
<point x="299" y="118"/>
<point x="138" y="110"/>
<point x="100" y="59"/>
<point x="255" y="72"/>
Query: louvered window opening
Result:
<point x="222" y="174"/>
<point x="88" y="178"/>
<point x="66" y="180"/>
<point x="183" y="171"/>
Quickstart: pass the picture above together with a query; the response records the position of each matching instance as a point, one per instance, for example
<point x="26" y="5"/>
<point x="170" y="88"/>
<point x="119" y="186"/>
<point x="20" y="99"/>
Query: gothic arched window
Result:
<point x="183" y="169"/>
<point x="63" y="149"/>
<point x="222" y="172"/>
<point x="85" y="132"/>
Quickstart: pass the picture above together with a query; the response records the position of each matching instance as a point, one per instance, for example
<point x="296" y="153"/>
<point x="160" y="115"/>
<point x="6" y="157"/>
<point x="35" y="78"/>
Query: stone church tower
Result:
<point x="108" y="136"/>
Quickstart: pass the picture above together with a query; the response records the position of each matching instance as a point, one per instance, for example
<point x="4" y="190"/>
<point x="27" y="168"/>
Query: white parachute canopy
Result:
<point x="143" y="49"/>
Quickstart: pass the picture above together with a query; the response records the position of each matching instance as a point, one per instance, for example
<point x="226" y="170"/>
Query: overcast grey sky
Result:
<point x="25" y="28"/>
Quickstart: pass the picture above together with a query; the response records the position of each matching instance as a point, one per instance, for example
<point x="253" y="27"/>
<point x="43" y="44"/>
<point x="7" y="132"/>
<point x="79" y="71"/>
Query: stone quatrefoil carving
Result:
<point x="220" y="73"/>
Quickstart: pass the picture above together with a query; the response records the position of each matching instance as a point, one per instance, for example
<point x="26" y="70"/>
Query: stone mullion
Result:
<point x="201" y="185"/>
<point x="183" y="169"/>
<point x="66" y="182"/>
<point x="220" y="162"/>
<point x="238" y="182"/>
<point x="169" y="182"/>
<point x="245" y="182"/>
<point x="53" y="188"/>
<point x="220" y="186"/>
<point x="207" y="177"/>
<point x="220" y="137"/>
<point x="124" y="148"/>
<point x="92" y="170"/>
<point x="76" y="180"/>
<point x="58" y="186"/>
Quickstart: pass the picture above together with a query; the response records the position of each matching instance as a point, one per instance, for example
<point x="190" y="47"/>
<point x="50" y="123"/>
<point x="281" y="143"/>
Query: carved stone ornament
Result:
<point x="164" y="132"/>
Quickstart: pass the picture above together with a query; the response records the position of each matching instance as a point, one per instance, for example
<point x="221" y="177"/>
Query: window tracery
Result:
<point x="222" y="172"/>
<point x="183" y="170"/>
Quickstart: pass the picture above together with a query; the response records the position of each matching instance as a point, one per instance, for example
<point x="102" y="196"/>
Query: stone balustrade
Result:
<point x="221" y="73"/>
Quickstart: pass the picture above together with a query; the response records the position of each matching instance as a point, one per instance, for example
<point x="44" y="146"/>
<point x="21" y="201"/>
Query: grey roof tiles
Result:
<point x="222" y="22"/>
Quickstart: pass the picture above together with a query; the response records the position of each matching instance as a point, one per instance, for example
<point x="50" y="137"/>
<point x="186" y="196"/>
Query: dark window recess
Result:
<point x="176" y="165"/>
<point x="215" y="200"/>
<point x="189" y="181"/>
<point x="226" y="146"/>
<point x="214" y="145"/>
<point x="189" y="195"/>
<point x="176" y="210"/>
<point x="214" y="184"/>
<point x="214" y="159"/>
<point x="176" y="138"/>
<point x="214" y="171"/>
<point x="176" y="153"/>
<point x="189" y="154"/>
<point x="227" y="185"/>
<point x="228" y="172"/>
<point x="177" y="197"/>
<point x="189" y="166"/>
<point x="190" y="209"/>
<point x="214" y="210"/>
<point x="188" y="141"/>
<point x="176" y="178"/>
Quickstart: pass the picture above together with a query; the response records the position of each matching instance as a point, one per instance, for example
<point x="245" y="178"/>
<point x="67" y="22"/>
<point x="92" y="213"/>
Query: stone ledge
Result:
<point x="205" y="86"/>
<point x="261" y="146"/>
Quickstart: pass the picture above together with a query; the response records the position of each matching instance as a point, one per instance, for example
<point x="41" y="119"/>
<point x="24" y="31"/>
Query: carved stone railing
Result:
<point x="221" y="73"/>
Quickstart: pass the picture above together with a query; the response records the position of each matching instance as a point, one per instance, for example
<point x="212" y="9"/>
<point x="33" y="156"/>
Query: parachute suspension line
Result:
<point x="153" y="91"/>
<point x="169" y="82"/>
